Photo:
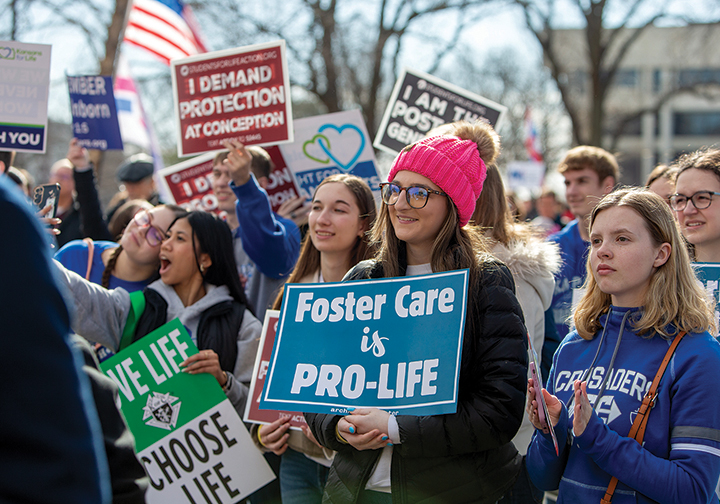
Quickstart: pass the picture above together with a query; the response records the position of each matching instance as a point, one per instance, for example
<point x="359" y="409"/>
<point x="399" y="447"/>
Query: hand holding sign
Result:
<point x="78" y="155"/>
<point x="206" y="361"/>
<point x="361" y="429"/>
<point x="274" y="436"/>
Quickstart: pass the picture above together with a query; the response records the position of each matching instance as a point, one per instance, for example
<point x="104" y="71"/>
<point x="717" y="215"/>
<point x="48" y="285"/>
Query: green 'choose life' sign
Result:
<point x="188" y="435"/>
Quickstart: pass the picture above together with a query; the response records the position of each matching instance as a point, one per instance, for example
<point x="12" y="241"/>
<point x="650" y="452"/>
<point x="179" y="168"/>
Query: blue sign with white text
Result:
<point x="709" y="276"/>
<point x="392" y="343"/>
<point x="94" y="112"/>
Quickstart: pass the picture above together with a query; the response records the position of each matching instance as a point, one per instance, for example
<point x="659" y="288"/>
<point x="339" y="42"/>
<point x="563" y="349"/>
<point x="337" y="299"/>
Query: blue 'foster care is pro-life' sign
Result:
<point x="392" y="343"/>
<point x="94" y="114"/>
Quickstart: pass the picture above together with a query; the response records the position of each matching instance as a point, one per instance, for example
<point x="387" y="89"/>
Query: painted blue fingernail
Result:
<point x="352" y="430"/>
<point x="384" y="438"/>
<point x="351" y="409"/>
<point x="389" y="444"/>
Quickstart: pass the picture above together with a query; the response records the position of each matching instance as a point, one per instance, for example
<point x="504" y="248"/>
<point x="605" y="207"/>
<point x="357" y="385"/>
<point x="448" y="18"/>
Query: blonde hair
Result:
<point x="674" y="296"/>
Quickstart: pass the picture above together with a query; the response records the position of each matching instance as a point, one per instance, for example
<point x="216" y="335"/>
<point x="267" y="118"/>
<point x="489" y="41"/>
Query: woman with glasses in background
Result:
<point x="696" y="204"/>
<point x="697" y="185"/>
<point x="133" y="262"/>
<point x="466" y="456"/>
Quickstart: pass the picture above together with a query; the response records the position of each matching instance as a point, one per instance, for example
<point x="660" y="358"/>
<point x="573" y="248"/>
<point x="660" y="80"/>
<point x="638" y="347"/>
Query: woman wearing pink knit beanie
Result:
<point x="467" y="456"/>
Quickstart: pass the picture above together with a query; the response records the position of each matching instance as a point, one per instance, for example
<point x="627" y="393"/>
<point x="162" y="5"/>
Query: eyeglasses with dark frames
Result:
<point x="416" y="196"/>
<point x="700" y="200"/>
<point x="154" y="235"/>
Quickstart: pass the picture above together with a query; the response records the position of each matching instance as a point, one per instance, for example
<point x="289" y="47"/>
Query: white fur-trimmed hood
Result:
<point x="535" y="261"/>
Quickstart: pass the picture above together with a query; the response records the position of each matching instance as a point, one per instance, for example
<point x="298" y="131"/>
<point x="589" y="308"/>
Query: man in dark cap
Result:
<point x="135" y="176"/>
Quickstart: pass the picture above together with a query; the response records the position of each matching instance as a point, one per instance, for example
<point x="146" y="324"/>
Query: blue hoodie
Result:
<point x="573" y="251"/>
<point x="680" y="457"/>
<point x="266" y="245"/>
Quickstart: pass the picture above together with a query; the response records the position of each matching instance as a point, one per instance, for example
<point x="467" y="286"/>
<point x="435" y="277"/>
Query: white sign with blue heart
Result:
<point x="329" y="144"/>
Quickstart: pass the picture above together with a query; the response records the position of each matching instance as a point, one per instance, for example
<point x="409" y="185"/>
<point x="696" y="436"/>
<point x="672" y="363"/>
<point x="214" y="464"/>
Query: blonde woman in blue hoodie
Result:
<point x="641" y="295"/>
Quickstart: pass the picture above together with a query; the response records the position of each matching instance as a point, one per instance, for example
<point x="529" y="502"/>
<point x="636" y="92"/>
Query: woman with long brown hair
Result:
<point x="466" y="456"/>
<point x="341" y="214"/>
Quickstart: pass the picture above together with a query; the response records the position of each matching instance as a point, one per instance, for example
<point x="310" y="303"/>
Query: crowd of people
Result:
<point x="615" y="300"/>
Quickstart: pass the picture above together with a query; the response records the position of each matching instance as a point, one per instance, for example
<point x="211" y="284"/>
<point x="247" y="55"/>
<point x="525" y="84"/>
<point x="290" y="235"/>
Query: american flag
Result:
<point x="166" y="28"/>
<point x="532" y="142"/>
<point x="135" y="127"/>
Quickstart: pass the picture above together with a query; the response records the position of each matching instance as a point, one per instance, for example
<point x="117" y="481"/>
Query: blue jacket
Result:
<point x="269" y="245"/>
<point x="680" y="458"/>
<point x="51" y="448"/>
<point x="573" y="251"/>
<point x="74" y="256"/>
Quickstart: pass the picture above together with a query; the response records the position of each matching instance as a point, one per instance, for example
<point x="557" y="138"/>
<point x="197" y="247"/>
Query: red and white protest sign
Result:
<point x="252" y="412"/>
<point x="282" y="186"/>
<point x="189" y="183"/>
<point x="241" y="94"/>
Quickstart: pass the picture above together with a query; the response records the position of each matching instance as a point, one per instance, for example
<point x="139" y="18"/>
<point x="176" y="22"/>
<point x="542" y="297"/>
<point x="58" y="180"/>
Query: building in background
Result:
<point x="665" y="96"/>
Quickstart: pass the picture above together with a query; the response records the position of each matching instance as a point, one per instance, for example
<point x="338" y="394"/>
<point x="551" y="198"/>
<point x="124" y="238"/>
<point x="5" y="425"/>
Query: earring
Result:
<point x="202" y="269"/>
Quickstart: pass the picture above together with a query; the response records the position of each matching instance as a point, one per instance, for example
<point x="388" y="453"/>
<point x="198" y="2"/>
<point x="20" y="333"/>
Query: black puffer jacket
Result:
<point x="467" y="456"/>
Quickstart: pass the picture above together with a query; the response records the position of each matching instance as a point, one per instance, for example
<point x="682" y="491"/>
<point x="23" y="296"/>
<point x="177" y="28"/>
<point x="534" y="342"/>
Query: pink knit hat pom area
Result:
<point x="453" y="164"/>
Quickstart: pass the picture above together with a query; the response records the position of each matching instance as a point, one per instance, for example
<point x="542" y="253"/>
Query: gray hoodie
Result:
<point x="100" y="316"/>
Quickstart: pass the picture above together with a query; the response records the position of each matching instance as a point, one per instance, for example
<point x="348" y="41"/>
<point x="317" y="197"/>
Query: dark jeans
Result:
<point x="523" y="491"/>
<point x="270" y="493"/>
<point x="302" y="481"/>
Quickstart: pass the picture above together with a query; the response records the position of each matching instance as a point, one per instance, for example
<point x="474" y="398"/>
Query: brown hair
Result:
<point x="260" y="162"/>
<point x="309" y="260"/>
<point x="703" y="159"/>
<point x="493" y="215"/>
<point x="587" y="156"/>
<point x="124" y="214"/>
<point x="688" y="308"/>
<point x="660" y="171"/>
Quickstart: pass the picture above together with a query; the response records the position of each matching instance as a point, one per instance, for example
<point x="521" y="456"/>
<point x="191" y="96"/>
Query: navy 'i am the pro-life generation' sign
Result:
<point x="94" y="114"/>
<point x="420" y="102"/>
<point x="393" y="343"/>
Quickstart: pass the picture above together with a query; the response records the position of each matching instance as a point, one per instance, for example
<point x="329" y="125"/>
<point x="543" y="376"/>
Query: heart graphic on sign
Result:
<point x="311" y="143"/>
<point x="347" y="131"/>
<point x="7" y="53"/>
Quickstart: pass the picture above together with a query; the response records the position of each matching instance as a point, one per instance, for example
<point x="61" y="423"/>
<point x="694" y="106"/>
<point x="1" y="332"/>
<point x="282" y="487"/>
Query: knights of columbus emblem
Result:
<point x="160" y="410"/>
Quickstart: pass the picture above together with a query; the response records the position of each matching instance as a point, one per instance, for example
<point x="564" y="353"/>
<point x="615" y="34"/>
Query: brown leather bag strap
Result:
<point x="91" y="250"/>
<point x="637" y="431"/>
